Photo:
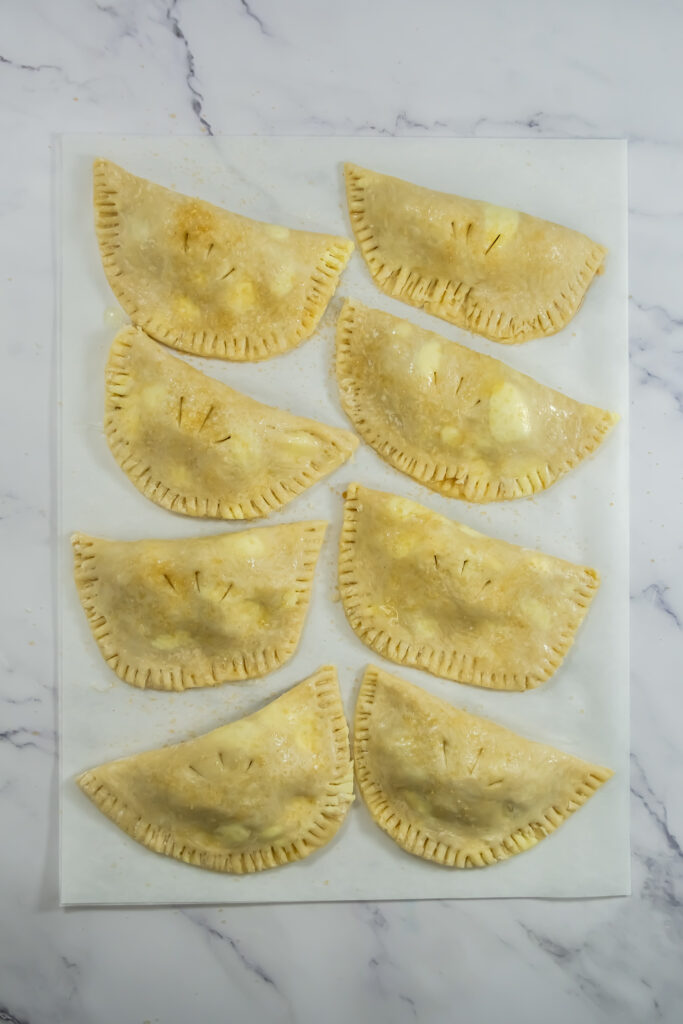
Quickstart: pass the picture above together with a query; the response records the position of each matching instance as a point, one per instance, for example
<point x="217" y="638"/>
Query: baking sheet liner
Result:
<point x="583" y="709"/>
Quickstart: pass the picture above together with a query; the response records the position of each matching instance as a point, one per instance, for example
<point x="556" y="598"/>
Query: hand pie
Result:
<point x="207" y="281"/>
<point x="256" y="793"/>
<point x="461" y="423"/>
<point x="454" y="788"/>
<point x="173" y="614"/>
<point x="422" y="590"/>
<point x="193" y="445"/>
<point x="497" y="272"/>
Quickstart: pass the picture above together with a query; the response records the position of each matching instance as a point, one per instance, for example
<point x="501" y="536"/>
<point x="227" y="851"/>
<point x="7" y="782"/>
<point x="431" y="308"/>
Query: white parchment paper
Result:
<point x="583" y="709"/>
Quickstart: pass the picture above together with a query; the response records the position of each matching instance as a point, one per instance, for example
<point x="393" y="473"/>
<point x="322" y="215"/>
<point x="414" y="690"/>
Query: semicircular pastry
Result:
<point x="425" y="591"/>
<point x="497" y="272"/>
<point x="175" y="614"/>
<point x="207" y="281"/>
<point x="461" y="423"/>
<point x="194" y="445"/>
<point x="263" y="791"/>
<point x="455" y="788"/>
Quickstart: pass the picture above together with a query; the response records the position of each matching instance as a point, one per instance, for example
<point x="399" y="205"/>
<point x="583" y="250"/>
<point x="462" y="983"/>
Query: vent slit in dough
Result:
<point x="176" y="614"/>
<point x="265" y="790"/>
<point x="425" y="591"/>
<point x="461" y="423"/>
<point x="493" y="271"/>
<point x="195" y="446"/>
<point x="454" y="788"/>
<point x="207" y="281"/>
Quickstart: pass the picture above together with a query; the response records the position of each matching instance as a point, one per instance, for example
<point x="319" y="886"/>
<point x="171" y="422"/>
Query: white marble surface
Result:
<point x="599" y="69"/>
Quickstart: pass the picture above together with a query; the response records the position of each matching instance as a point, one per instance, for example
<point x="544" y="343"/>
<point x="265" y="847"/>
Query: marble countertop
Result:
<point x="436" y="68"/>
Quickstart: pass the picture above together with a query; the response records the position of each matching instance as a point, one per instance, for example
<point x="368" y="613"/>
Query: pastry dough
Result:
<point x="422" y="590"/>
<point x="454" y="788"/>
<point x="497" y="272"/>
<point x="193" y="445"/>
<point x="463" y="424"/>
<point x="173" y="614"/>
<point x="263" y="791"/>
<point x="205" y="280"/>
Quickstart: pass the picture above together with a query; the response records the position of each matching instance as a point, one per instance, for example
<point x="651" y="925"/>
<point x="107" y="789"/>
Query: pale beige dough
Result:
<point x="202" y="279"/>
<point x="175" y="614"/>
<point x="263" y="791"/>
<point x="461" y="423"/>
<point x="490" y="270"/>
<point x="455" y="788"/>
<point x="194" y="445"/>
<point x="425" y="591"/>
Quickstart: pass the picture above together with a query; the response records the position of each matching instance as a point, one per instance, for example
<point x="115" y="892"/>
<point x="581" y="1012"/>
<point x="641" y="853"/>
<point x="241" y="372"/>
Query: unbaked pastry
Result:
<point x="208" y="281"/>
<point x="497" y="272"/>
<point x="174" y="614"/>
<point x="425" y="591"/>
<point x="461" y="423"/>
<point x="193" y="445"/>
<point x="454" y="788"/>
<point x="265" y="790"/>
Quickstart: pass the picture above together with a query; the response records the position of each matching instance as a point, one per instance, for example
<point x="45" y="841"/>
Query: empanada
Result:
<point x="193" y="445"/>
<point x="497" y="272"/>
<point x="461" y="423"/>
<point x="425" y="591"/>
<point x="265" y="790"/>
<point x="208" y="281"/>
<point x="454" y="788"/>
<point x="173" y="614"/>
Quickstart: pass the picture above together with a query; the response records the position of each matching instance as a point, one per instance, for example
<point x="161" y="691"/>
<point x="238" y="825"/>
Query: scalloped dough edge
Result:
<point x="414" y="840"/>
<point x="177" y="678"/>
<point x="143" y="477"/>
<point x="327" y="820"/>
<point x="450" y="300"/>
<point x="450" y="479"/>
<point x="323" y="281"/>
<point x="447" y="664"/>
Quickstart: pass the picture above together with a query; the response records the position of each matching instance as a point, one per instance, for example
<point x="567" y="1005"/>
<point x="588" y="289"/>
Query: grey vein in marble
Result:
<point x="23" y="67"/>
<point x="656" y="593"/>
<point x="197" y="99"/>
<point x="642" y="791"/>
<point x="251" y="13"/>
<point x="253" y="969"/>
<point x="21" y="738"/>
<point x="7" y="1017"/>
